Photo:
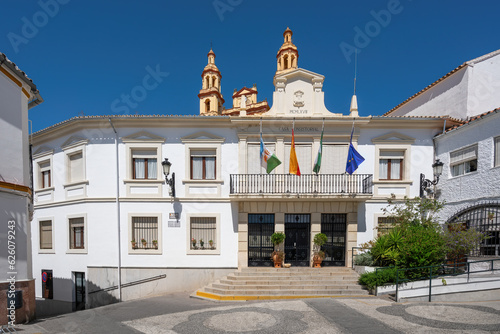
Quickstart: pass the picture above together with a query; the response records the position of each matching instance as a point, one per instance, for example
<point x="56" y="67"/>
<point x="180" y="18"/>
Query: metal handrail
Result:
<point x="303" y="184"/>
<point x="431" y="276"/>
<point x="145" y="280"/>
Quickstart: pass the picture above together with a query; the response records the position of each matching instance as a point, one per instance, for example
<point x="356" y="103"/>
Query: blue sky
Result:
<point x="85" y="55"/>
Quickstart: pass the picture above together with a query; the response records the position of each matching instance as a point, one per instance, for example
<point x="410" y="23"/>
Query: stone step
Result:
<point x="292" y="278"/>
<point x="296" y="269"/>
<point x="302" y="292"/>
<point x="285" y="287"/>
<point x="290" y="282"/>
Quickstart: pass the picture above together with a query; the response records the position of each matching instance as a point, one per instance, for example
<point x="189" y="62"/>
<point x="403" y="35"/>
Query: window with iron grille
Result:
<point x="77" y="233"/>
<point x="45" y="234"/>
<point x="145" y="232"/>
<point x="203" y="233"/>
<point x="385" y="225"/>
<point x="463" y="161"/>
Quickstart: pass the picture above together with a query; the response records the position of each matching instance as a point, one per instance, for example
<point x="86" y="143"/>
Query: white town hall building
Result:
<point x="105" y="215"/>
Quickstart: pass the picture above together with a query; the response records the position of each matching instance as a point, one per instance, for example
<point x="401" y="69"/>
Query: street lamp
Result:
<point x="425" y="184"/>
<point x="166" y="171"/>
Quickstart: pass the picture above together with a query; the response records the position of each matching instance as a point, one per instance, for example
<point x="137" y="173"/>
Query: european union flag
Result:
<point x="354" y="159"/>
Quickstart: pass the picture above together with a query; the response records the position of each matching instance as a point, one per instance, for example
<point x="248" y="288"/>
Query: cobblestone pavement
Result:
<point x="177" y="313"/>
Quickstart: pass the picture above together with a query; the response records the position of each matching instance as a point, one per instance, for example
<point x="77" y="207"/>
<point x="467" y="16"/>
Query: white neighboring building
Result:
<point x="18" y="94"/>
<point x="107" y="189"/>
<point x="468" y="90"/>
<point x="470" y="184"/>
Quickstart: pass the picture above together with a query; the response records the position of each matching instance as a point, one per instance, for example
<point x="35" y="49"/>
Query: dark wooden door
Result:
<point x="297" y="241"/>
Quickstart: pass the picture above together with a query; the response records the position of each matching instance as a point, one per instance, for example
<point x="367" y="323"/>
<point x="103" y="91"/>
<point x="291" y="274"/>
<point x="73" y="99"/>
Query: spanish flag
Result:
<point x="294" y="164"/>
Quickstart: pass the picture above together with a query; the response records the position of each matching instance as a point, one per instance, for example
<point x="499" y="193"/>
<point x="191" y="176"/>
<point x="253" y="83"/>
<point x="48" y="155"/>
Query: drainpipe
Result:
<point x="118" y="214"/>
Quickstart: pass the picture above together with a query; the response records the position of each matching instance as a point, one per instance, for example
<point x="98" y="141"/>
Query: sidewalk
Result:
<point x="178" y="313"/>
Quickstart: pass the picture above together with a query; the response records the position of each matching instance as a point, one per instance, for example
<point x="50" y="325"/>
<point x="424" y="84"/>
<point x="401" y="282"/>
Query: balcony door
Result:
<point x="297" y="241"/>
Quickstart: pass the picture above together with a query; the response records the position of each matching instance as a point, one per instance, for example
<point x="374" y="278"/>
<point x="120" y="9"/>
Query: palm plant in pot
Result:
<point x="278" y="255"/>
<point x="319" y="240"/>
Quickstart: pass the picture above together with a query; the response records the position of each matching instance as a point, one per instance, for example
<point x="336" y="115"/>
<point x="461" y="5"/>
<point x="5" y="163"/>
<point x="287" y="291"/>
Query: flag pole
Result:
<point x="260" y="169"/>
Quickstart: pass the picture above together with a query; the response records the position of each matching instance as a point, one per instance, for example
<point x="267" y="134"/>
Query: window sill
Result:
<point x="76" y="183"/>
<point x="392" y="182"/>
<point x="144" y="181"/>
<point x="46" y="251"/>
<point x="44" y="189"/>
<point x="145" y="251"/>
<point x="463" y="175"/>
<point x="76" y="251"/>
<point x="203" y="181"/>
<point x="203" y="252"/>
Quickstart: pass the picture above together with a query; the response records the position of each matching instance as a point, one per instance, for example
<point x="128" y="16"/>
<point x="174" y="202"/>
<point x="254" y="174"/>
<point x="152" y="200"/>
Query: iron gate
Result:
<point x="297" y="241"/>
<point x="79" y="291"/>
<point x="260" y="247"/>
<point x="334" y="226"/>
<point x="485" y="218"/>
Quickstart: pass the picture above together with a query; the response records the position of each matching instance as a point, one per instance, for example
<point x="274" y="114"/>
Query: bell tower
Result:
<point x="287" y="55"/>
<point x="210" y="96"/>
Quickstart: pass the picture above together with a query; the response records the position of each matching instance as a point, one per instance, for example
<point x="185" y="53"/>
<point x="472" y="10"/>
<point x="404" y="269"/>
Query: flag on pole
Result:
<point x="354" y="159"/>
<point x="317" y="163"/>
<point x="294" y="164"/>
<point x="267" y="159"/>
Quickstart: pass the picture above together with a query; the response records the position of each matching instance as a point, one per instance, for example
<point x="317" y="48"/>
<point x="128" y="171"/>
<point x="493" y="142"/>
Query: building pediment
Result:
<point x="74" y="141"/>
<point x="143" y="136"/>
<point x="300" y="73"/>
<point x="202" y="136"/>
<point x="43" y="151"/>
<point x="393" y="138"/>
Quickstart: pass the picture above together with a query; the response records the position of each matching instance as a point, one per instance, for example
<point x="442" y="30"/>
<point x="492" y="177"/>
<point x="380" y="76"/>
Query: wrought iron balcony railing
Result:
<point x="304" y="184"/>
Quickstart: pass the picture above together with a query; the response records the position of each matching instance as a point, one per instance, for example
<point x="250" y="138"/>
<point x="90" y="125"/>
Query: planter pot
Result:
<point x="134" y="245"/>
<point x="277" y="261"/>
<point x="317" y="261"/>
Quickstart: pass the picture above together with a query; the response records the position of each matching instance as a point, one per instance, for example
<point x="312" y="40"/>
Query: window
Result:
<point x="391" y="165"/>
<point x="47" y="287"/>
<point x="385" y="225"/>
<point x="203" y="165"/>
<point x="45" y="178"/>
<point x="304" y="154"/>
<point x="45" y="234"/>
<point x="145" y="232"/>
<point x="203" y="233"/>
<point x="144" y="165"/>
<point x="333" y="159"/>
<point x="253" y="158"/>
<point x="463" y="161"/>
<point x="77" y="233"/>
<point x="497" y="152"/>
<point x="75" y="167"/>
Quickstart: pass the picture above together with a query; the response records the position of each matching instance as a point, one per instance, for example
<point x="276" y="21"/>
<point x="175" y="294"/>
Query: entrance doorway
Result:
<point x="297" y="241"/>
<point x="334" y="226"/>
<point x="79" y="291"/>
<point x="260" y="247"/>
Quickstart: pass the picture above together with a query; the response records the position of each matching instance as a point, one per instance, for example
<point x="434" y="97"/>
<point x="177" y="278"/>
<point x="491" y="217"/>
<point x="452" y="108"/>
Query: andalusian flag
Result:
<point x="317" y="163"/>
<point x="294" y="164"/>
<point x="267" y="159"/>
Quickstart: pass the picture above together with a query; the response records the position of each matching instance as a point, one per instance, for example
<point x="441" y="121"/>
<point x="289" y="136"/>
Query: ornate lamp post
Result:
<point x="166" y="171"/>
<point x="425" y="184"/>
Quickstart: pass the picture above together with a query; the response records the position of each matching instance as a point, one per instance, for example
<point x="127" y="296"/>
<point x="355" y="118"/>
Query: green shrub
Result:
<point x="378" y="278"/>
<point x="363" y="259"/>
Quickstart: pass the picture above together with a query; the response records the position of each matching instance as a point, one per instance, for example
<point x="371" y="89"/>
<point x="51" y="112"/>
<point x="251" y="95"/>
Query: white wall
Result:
<point x="484" y="85"/>
<point x="462" y="191"/>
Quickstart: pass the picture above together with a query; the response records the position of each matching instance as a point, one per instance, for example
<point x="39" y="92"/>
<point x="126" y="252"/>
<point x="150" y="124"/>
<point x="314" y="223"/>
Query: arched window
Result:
<point x="292" y="62"/>
<point x="207" y="105"/>
<point x="207" y="82"/>
<point x="285" y="59"/>
<point x="213" y="82"/>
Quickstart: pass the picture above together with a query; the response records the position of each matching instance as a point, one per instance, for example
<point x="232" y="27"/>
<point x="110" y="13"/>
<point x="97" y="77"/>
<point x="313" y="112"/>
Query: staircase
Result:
<point x="285" y="283"/>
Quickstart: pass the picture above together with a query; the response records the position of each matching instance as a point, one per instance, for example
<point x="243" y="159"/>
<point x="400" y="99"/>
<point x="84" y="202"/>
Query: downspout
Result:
<point x="118" y="214"/>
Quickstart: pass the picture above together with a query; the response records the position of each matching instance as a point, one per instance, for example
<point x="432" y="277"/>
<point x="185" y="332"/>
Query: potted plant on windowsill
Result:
<point x="155" y="244"/>
<point x="134" y="244"/>
<point x="202" y="243"/>
<point x="144" y="242"/>
<point x="278" y="255"/>
<point x="319" y="240"/>
<point x="193" y="242"/>
<point x="211" y="243"/>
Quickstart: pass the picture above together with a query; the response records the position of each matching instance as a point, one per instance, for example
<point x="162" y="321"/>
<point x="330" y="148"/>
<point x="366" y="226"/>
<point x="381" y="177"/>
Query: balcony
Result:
<point x="337" y="185"/>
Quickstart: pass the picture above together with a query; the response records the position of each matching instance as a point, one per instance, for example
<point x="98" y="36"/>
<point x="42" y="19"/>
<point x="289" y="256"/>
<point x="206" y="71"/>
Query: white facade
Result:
<point x="17" y="95"/>
<point x="476" y="186"/>
<point x="466" y="91"/>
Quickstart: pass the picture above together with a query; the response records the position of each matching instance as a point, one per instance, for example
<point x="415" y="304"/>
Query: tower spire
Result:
<point x="287" y="54"/>
<point x="210" y="96"/>
<point x="353" y="110"/>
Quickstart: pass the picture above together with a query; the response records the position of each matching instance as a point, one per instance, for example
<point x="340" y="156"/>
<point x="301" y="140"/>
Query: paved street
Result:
<point x="178" y="313"/>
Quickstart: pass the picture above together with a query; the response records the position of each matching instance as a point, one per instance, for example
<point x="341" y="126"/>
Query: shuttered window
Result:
<point x="77" y="233"/>
<point x="75" y="167"/>
<point x="391" y="165"/>
<point x="497" y="151"/>
<point x="463" y="161"/>
<point x="333" y="159"/>
<point x="46" y="234"/>
<point x="253" y="158"/>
